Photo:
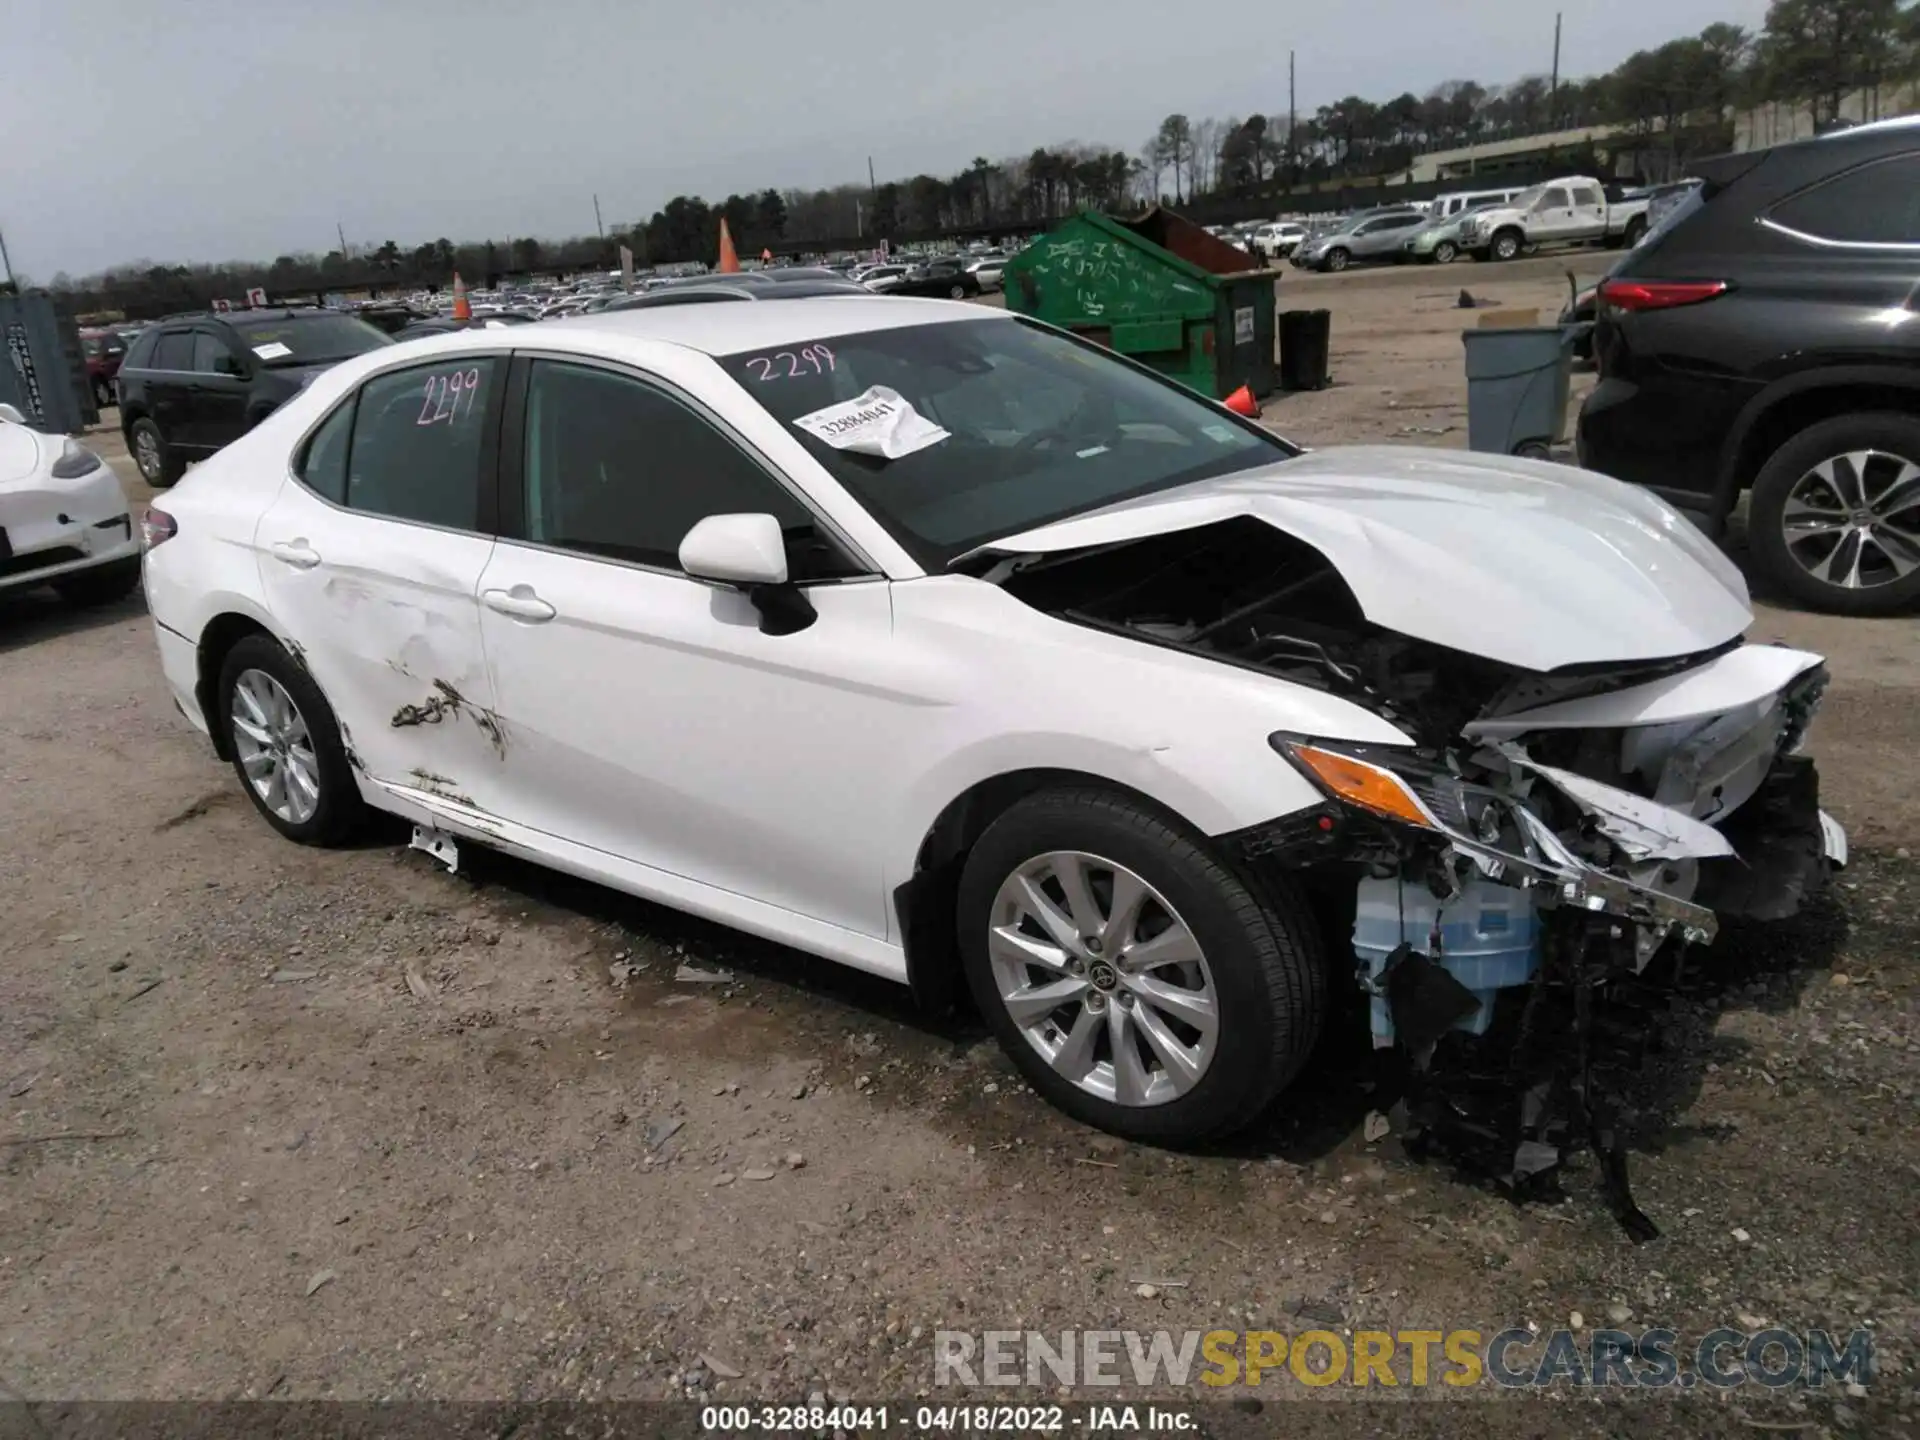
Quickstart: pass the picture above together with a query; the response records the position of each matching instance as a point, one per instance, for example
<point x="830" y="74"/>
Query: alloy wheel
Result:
<point x="1444" y="252"/>
<point x="146" y="454"/>
<point x="1853" y="520"/>
<point x="270" y="737"/>
<point x="1103" y="978"/>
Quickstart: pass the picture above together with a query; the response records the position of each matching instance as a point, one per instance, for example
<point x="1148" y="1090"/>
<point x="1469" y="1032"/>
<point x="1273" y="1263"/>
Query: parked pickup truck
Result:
<point x="1572" y="211"/>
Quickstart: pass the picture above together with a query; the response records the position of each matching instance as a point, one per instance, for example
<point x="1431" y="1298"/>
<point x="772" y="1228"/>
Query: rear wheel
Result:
<point x="1636" y="228"/>
<point x="159" y="465"/>
<point x="286" y="744"/>
<point x="1138" y="983"/>
<point x="1835" y="515"/>
<point x="957" y="292"/>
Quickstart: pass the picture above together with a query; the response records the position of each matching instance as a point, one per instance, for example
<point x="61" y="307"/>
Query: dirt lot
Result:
<point x="336" y="1124"/>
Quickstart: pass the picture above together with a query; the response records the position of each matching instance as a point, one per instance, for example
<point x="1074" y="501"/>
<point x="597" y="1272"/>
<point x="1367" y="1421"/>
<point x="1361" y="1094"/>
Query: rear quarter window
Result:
<point x="1874" y="204"/>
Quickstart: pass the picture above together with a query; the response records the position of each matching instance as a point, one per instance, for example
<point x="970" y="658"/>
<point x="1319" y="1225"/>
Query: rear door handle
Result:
<point x="296" y="553"/>
<point x="520" y="602"/>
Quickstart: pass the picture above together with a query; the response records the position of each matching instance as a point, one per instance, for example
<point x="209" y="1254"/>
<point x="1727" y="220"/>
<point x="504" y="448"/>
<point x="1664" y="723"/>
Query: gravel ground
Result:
<point x="290" y="1123"/>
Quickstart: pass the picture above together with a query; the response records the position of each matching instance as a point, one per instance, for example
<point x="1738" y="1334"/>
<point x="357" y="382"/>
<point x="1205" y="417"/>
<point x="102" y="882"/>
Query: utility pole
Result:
<point x="1293" y="159"/>
<point x="5" y="263"/>
<point x="1553" y="93"/>
<point x="341" y="231"/>
<point x="596" y="218"/>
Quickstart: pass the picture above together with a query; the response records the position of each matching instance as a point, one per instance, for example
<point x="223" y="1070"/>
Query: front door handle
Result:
<point x="520" y="602"/>
<point x="296" y="553"/>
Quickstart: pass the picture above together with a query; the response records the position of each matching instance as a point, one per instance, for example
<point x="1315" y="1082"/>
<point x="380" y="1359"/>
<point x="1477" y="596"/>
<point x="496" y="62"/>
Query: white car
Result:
<point x="1278" y="239"/>
<point x="64" y="520"/>
<point x="954" y="648"/>
<point x="989" y="270"/>
<point x="882" y="278"/>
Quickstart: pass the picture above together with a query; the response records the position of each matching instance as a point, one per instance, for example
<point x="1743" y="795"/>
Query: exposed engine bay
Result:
<point x="1519" y="866"/>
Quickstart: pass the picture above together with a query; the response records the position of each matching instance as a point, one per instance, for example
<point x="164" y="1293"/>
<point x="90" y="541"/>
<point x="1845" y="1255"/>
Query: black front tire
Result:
<point x="102" y="585"/>
<point x="1507" y="245"/>
<point x="1337" y="260"/>
<point x="168" y="465"/>
<point x="1445" y="253"/>
<point x="1261" y="944"/>
<point x="340" y="810"/>
<point x="1889" y="433"/>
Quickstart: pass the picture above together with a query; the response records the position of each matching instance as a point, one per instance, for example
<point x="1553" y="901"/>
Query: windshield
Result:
<point x="1526" y="199"/>
<point x="1022" y="426"/>
<point x="309" y="340"/>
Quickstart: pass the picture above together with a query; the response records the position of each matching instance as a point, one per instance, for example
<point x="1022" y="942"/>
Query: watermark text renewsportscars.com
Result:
<point x="1512" y="1358"/>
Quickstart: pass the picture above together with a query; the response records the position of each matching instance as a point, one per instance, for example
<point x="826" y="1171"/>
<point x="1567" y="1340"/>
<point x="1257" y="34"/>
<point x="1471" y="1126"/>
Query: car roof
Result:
<point x="724" y="329"/>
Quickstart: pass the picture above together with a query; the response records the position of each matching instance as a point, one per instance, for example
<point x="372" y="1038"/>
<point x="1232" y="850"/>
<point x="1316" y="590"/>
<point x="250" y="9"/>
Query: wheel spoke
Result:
<point x="246" y="694"/>
<point x="253" y="730"/>
<point x="1902" y="551"/>
<point x="1011" y="943"/>
<point x="276" y="792"/>
<point x="302" y="787"/>
<point x="1074" y="1058"/>
<point x="1037" y="904"/>
<point x="1842" y="564"/>
<point x="1902" y="493"/>
<point x="1195" y="1007"/>
<point x="1174" y="945"/>
<point x="1129" y="1071"/>
<point x="1129" y="894"/>
<point x="1085" y="910"/>
<point x="1845" y="474"/>
<point x="1802" y="518"/>
<point x="257" y="765"/>
<point x="1033" y="1004"/>
<point x="1183" y="1066"/>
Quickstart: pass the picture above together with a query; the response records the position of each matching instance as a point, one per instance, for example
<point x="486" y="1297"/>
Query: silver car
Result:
<point x="1365" y="237"/>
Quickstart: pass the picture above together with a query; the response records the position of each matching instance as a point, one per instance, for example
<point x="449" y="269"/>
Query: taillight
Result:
<point x="156" y="525"/>
<point x="1633" y="295"/>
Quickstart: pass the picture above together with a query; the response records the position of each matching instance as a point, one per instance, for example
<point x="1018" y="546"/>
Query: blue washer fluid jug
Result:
<point x="1489" y="940"/>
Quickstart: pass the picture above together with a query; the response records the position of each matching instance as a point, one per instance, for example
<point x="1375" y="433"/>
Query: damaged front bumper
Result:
<point x="1485" y="870"/>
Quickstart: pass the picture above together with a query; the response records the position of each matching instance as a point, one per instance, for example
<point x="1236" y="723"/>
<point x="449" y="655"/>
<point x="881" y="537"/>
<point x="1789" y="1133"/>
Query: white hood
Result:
<point x="1521" y="561"/>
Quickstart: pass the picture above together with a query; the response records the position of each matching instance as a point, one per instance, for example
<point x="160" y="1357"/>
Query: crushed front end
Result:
<point x="1530" y="872"/>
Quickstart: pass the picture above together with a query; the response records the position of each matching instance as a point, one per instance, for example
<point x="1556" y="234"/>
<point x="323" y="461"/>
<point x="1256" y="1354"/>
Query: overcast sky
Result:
<point x="188" y="130"/>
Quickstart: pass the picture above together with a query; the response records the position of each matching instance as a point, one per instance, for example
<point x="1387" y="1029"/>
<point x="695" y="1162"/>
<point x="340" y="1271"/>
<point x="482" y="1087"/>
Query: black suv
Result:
<point x="192" y="383"/>
<point x="1766" y="337"/>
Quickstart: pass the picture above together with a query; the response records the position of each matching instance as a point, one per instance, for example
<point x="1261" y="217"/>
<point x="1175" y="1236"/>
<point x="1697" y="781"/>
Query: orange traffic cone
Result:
<point x="462" y="310"/>
<point x="729" y="262"/>
<point x="1241" y="402"/>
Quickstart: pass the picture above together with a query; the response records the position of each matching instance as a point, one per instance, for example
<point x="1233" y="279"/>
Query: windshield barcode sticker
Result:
<point x="272" y="350"/>
<point x="878" y="422"/>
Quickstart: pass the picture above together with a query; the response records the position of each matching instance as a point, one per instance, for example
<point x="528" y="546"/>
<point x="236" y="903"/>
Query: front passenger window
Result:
<point x="619" y="468"/>
<point x="416" y="443"/>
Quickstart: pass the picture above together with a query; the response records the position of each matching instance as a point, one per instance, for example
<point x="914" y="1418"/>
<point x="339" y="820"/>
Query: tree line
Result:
<point x="1679" y="98"/>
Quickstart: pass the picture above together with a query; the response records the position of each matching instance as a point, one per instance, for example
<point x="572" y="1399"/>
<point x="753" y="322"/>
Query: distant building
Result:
<point x="1777" y="123"/>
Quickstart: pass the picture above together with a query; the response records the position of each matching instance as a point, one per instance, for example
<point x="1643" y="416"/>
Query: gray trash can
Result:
<point x="1517" y="388"/>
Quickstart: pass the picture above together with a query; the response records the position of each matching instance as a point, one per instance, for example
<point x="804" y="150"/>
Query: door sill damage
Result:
<point x="438" y="844"/>
<point x="1517" y="867"/>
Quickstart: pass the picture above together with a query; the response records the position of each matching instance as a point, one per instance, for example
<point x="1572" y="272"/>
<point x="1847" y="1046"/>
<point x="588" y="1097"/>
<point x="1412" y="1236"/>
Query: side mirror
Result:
<point x="749" y="551"/>
<point x="736" y="550"/>
<point x="8" y="413"/>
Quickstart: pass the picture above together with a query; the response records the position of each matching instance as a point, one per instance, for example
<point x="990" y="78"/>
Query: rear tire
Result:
<point x="160" y="466"/>
<point x="337" y="809"/>
<point x="1260" y="961"/>
<point x="1804" y="485"/>
<point x="958" y="292"/>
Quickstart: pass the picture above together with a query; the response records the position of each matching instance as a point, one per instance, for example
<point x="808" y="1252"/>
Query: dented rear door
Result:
<point x="370" y="559"/>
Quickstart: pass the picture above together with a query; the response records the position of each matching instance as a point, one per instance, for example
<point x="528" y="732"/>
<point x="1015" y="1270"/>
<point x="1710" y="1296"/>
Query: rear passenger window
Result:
<point x="323" y="462"/>
<point x="1876" y="204"/>
<point x="417" y="440"/>
<point x="174" y="352"/>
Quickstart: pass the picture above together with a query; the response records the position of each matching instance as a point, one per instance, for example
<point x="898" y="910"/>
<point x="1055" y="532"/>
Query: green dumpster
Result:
<point x="1157" y="288"/>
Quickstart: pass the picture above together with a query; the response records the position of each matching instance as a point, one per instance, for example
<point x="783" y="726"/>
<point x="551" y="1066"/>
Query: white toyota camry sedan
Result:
<point x="955" y="648"/>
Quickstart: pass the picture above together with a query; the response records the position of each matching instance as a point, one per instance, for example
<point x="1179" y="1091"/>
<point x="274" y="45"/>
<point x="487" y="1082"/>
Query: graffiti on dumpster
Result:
<point x="22" y="359"/>
<point x="1104" y="273"/>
